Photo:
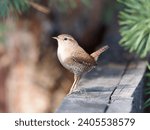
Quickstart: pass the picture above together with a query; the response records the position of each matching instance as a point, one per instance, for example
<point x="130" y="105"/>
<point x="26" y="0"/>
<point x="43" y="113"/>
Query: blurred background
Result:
<point x="31" y="77"/>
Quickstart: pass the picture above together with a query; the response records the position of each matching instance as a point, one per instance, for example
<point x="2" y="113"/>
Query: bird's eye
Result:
<point x="65" y="38"/>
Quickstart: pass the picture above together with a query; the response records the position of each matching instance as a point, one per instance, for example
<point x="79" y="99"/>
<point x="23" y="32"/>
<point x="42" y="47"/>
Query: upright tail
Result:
<point x="96" y="54"/>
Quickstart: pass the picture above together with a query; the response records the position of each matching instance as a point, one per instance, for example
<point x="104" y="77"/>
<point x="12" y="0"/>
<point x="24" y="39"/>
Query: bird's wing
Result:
<point x="82" y="57"/>
<point x="87" y="61"/>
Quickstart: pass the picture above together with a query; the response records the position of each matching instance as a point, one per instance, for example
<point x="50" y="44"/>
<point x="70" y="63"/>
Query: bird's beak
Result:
<point x="55" y="38"/>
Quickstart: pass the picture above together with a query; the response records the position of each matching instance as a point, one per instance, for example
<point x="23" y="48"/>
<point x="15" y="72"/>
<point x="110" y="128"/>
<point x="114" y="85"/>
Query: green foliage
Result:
<point x="135" y="26"/>
<point x="8" y="7"/>
<point x="134" y="22"/>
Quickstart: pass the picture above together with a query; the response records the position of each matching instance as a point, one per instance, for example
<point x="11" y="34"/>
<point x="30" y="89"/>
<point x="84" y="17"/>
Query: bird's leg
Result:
<point x="75" y="83"/>
<point x="76" y="80"/>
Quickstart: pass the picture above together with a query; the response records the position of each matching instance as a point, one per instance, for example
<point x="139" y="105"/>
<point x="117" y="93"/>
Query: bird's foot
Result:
<point x="77" y="91"/>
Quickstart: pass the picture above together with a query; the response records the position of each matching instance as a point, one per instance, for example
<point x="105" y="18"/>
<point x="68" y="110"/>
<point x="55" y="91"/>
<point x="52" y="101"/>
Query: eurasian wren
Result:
<point x="74" y="58"/>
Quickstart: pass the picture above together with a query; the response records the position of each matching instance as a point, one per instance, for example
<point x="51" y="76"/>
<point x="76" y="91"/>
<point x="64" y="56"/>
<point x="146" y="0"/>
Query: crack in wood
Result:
<point x="110" y="97"/>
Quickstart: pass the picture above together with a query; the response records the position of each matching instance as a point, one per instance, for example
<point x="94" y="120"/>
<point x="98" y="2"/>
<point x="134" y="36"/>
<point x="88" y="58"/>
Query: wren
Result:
<point x="76" y="59"/>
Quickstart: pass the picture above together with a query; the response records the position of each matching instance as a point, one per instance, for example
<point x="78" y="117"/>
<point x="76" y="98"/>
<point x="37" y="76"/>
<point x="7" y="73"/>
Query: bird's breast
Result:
<point x="63" y="53"/>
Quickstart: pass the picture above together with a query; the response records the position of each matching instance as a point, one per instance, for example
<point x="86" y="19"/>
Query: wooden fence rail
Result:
<point x="110" y="88"/>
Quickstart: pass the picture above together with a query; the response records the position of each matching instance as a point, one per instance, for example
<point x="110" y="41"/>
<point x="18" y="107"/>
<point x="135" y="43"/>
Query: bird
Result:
<point x="74" y="58"/>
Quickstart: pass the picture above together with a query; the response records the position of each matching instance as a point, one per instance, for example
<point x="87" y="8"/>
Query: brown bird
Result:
<point x="74" y="58"/>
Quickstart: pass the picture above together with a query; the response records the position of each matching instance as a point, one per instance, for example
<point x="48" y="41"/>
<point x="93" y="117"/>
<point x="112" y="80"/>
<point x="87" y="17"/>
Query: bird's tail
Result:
<point x="96" y="54"/>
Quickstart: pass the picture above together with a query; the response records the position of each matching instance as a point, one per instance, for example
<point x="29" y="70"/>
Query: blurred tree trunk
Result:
<point x="33" y="81"/>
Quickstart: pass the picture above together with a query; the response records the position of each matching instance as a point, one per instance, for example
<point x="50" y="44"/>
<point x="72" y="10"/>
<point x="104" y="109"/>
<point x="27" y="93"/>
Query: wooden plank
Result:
<point x="109" y="88"/>
<point x="95" y="90"/>
<point x="127" y="96"/>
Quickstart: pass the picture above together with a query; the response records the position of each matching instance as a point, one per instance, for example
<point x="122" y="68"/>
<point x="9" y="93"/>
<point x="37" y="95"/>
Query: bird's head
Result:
<point x="65" y="39"/>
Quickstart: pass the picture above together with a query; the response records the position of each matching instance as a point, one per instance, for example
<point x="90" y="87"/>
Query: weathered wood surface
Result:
<point x="108" y="88"/>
